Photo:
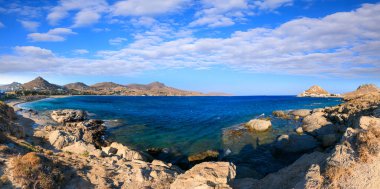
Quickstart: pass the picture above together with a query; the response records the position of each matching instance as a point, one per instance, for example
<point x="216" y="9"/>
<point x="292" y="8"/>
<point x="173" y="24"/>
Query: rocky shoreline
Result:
<point x="336" y="145"/>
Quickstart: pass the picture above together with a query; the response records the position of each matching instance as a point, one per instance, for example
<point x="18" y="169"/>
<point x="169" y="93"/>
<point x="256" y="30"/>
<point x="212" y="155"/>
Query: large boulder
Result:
<point x="259" y="125"/>
<point x="206" y="175"/>
<point x="129" y="154"/>
<point x="300" y="112"/>
<point x="68" y="115"/>
<point x="280" y="114"/>
<point x="294" y="143"/>
<point x="60" y="139"/>
<point x="81" y="148"/>
<point x="366" y="121"/>
<point x="314" y="121"/>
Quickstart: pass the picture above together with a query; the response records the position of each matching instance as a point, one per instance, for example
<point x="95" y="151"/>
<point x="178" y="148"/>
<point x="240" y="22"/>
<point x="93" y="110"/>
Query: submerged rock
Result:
<point x="280" y="114"/>
<point x="294" y="143"/>
<point x="259" y="125"/>
<point x="206" y="175"/>
<point x="209" y="155"/>
<point x="68" y="115"/>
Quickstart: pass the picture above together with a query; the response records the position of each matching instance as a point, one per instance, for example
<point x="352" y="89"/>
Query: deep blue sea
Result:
<point x="185" y="124"/>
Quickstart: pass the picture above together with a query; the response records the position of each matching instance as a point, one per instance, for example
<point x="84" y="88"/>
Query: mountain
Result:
<point x="149" y="86"/>
<point x="105" y="85"/>
<point x="77" y="86"/>
<point x="316" y="91"/>
<point x="39" y="84"/>
<point x="11" y="87"/>
<point x="158" y="89"/>
<point x="362" y="90"/>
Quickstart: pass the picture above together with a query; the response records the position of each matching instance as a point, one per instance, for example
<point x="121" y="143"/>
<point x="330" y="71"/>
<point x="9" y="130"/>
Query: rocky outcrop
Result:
<point x="361" y="90"/>
<point x="60" y="139"/>
<point x="64" y="116"/>
<point x="316" y="91"/>
<point x="127" y="153"/>
<point x="258" y="125"/>
<point x="206" y="175"/>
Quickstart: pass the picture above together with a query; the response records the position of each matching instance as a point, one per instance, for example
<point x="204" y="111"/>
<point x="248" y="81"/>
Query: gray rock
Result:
<point x="295" y="143"/>
<point x="314" y="121"/>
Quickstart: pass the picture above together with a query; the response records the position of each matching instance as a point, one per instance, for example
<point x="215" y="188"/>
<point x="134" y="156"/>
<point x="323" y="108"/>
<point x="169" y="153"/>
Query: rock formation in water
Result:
<point x="316" y="91"/>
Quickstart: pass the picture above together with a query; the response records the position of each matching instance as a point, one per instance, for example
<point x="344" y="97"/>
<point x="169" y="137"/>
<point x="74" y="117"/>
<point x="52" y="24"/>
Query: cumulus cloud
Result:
<point x="344" y="44"/>
<point x="53" y="35"/>
<point x="146" y="7"/>
<point x="88" y="13"/>
<point x="219" y="13"/>
<point x="117" y="41"/>
<point x="33" y="51"/>
<point x="29" y="25"/>
<point x="81" y="51"/>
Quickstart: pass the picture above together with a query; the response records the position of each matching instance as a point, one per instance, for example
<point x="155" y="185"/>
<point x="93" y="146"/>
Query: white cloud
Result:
<point x="56" y="34"/>
<point x="89" y="12"/>
<point x="144" y="21"/>
<point x="33" y="51"/>
<point x="344" y="44"/>
<point x="219" y="13"/>
<point x="117" y="41"/>
<point x="272" y="4"/>
<point x="81" y="51"/>
<point x="29" y="25"/>
<point x="86" y="18"/>
<point x="146" y="7"/>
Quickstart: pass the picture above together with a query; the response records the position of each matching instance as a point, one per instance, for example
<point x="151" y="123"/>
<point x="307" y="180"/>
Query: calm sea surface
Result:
<point x="185" y="124"/>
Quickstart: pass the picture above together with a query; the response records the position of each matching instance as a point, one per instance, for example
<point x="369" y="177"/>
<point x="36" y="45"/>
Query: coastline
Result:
<point x="288" y="177"/>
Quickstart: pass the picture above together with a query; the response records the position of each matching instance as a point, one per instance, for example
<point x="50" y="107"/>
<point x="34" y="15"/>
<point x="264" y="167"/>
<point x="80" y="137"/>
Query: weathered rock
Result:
<point x="300" y="112"/>
<point x="376" y="112"/>
<point x="80" y="148"/>
<point x="109" y="150"/>
<point x="299" y="130"/>
<point x="366" y="121"/>
<point x="291" y="175"/>
<point x="280" y="114"/>
<point x="314" y="121"/>
<point x="206" y="175"/>
<point x="259" y="125"/>
<point x="68" y="115"/>
<point x="60" y="139"/>
<point x="294" y="143"/>
<point x="312" y="179"/>
<point x="317" y="110"/>
<point x="129" y="154"/>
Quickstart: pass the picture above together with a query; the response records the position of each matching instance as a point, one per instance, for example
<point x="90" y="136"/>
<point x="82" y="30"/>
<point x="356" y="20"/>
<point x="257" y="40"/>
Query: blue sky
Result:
<point x="243" y="47"/>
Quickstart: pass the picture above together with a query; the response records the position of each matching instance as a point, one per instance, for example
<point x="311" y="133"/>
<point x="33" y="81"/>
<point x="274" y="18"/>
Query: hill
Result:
<point x="316" y="91"/>
<point x="11" y="87"/>
<point x="40" y="84"/>
<point x="77" y="86"/>
<point x="362" y="90"/>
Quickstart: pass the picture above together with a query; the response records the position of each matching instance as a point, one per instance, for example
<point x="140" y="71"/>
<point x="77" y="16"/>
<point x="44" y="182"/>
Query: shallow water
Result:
<point x="185" y="124"/>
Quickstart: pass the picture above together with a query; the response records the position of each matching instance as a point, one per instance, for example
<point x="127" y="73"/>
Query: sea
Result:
<point x="189" y="125"/>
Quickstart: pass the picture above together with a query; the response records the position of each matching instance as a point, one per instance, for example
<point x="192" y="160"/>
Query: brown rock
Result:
<point x="206" y="175"/>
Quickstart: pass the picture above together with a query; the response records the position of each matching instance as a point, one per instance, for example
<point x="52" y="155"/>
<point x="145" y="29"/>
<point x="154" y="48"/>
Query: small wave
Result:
<point x="113" y="123"/>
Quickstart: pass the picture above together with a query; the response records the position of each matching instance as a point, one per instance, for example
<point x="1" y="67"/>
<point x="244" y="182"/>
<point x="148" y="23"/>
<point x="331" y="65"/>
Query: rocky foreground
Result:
<point x="340" y="144"/>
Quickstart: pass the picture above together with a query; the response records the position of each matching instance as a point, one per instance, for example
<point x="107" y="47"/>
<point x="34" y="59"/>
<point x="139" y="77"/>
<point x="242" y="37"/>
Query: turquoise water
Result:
<point x="186" y="125"/>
